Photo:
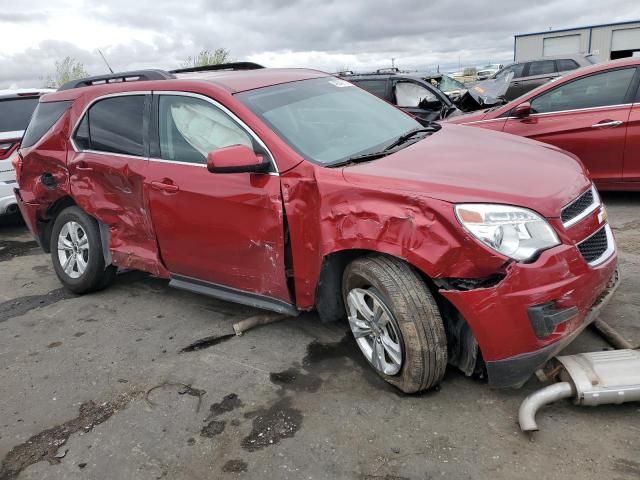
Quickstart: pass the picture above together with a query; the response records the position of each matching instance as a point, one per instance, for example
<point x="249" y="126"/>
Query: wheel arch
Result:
<point x="45" y="226"/>
<point x="464" y="351"/>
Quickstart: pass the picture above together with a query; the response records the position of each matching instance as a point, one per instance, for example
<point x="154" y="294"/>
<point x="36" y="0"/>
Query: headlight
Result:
<point x="512" y="231"/>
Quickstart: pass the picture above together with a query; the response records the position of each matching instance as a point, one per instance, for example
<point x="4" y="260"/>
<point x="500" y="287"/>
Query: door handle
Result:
<point x="516" y="83"/>
<point x="82" y="166"/>
<point x="165" y="187"/>
<point x="608" y="124"/>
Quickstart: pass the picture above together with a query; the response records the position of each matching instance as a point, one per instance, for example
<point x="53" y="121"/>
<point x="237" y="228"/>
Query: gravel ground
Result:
<point x="97" y="387"/>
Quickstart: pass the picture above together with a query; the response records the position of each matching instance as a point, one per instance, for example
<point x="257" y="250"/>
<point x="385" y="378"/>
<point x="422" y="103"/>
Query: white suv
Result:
<point x="16" y="107"/>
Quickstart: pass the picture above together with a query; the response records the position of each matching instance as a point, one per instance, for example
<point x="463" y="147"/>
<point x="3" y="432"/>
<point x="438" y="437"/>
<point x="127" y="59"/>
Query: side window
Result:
<point x="190" y="128"/>
<point x="409" y="94"/>
<point x="113" y="125"/>
<point x="543" y="67"/>
<point x="376" y="87"/>
<point x="566" y="64"/>
<point x="516" y="69"/>
<point x="602" y="89"/>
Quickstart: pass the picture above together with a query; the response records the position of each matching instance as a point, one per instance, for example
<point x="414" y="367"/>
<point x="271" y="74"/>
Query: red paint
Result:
<point x="229" y="228"/>
<point x="612" y="155"/>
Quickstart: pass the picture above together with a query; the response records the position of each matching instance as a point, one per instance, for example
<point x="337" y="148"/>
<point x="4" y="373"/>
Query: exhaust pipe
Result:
<point x="531" y="404"/>
<point x="594" y="378"/>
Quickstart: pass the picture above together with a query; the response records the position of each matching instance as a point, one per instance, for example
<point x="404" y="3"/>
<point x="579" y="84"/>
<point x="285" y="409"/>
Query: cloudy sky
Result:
<point x="324" y="34"/>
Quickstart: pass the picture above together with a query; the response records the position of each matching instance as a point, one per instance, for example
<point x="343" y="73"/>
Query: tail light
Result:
<point x="17" y="166"/>
<point x="7" y="148"/>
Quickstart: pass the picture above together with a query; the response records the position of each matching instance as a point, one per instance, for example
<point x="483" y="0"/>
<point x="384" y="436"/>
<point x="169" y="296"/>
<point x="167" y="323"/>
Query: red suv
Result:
<point x="593" y="112"/>
<point x="291" y="189"/>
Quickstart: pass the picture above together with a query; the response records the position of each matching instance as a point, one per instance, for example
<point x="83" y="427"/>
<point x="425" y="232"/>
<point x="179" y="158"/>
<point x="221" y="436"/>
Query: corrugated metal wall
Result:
<point x="594" y="40"/>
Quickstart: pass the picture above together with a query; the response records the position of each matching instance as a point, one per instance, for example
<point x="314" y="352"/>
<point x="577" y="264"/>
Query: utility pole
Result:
<point x="393" y="62"/>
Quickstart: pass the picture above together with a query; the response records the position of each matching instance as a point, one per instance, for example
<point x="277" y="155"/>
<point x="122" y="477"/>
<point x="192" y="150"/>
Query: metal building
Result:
<point x="608" y="41"/>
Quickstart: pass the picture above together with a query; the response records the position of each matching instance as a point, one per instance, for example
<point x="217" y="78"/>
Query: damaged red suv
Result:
<point x="293" y="190"/>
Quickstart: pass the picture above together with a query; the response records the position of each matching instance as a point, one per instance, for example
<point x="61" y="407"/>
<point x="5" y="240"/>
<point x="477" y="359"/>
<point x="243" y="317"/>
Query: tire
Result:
<point x="86" y="271"/>
<point x="415" y="323"/>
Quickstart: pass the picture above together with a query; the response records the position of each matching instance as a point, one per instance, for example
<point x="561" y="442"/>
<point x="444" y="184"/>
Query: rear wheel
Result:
<point x="76" y="251"/>
<point x="396" y="322"/>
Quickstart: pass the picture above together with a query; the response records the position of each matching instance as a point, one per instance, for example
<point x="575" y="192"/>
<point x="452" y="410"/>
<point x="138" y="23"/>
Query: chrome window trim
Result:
<point x="587" y="109"/>
<point x="590" y="209"/>
<point x="86" y="109"/>
<point x="620" y="105"/>
<point x="233" y="116"/>
<point x="611" y="246"/>
<point x="172" y="93"/>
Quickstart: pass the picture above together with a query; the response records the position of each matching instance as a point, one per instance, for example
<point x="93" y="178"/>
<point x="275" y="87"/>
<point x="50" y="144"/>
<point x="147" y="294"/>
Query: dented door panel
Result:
<point x="226" y="229"/>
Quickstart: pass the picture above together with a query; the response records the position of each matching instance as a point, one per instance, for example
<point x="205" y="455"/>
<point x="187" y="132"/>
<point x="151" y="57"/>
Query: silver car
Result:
<point x="16" y="107"/>
<point x="533" y="73"/>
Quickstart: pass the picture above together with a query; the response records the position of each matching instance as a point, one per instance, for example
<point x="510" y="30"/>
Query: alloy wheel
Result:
<point x="375" y="330"/>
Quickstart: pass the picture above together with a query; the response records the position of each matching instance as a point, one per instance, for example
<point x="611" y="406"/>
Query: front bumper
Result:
<point x="499" y="316"/>
<point x="516" y="370"/>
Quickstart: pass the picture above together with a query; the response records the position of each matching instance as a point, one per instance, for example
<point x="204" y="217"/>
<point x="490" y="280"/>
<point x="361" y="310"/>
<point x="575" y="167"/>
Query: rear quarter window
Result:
<point x="566" y="64"/>
<point x="44" y="117"/>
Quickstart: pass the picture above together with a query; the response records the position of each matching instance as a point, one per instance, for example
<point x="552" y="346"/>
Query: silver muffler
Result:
<point x="593" y="378"/>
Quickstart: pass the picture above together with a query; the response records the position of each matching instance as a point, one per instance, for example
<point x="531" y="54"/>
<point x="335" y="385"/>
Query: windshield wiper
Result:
<point x="433" y="127"/>
<point x="365" y="157"/>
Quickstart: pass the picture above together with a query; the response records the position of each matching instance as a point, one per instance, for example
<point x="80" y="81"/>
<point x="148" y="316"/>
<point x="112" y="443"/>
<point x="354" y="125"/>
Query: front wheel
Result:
<point x="76" y="251"/>
<point x="396" y="322"/>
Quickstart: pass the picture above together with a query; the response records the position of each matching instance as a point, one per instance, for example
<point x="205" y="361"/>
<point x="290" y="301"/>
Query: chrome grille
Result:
<point x="580" y="207"/>
<point x="595" y="246"/>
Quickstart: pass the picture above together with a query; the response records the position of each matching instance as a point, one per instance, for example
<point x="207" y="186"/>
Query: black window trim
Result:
<point x="628" y="98"/>
<point x="154" y="133"/>
<point x="145" y="125"/>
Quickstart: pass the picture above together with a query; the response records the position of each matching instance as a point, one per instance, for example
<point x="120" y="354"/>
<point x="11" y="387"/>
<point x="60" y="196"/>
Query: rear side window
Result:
<point x="566" y="64"/>
<point x="113" y="125"/>
<point x="44" y="117"/>
<point x="602" y="89"/>
<point x="15" y="113"/>
<point x="376" y="87"/>
<point x="542" y="68"/>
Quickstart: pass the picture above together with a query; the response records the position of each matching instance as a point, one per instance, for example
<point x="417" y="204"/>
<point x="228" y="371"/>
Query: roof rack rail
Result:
<point x="220" y="66"/>
<point x="388" y="70"/>
<point x="133" y="76"/>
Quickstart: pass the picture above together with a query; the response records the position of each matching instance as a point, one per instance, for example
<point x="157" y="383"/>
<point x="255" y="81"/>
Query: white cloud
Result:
<point x="328" y="35"/>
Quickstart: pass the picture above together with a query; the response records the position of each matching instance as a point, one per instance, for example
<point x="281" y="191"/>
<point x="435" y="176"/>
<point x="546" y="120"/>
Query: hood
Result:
<point x="464" y="164"/>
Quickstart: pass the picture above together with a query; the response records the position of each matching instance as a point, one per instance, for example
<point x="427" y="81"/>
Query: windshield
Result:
<point x="447" y="84"/>
<point x="328" y="120"/>
<point x="16" y="113"/>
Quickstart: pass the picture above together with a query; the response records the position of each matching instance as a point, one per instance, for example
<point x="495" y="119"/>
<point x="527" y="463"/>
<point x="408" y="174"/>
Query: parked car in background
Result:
<point x="411" y="92"/>
<point x="533" y="73"/>
<point x="593" y="113"/>
<point x="290" y="189"/>
<point x="487" y="71"/>
<point x="16" y="107"/>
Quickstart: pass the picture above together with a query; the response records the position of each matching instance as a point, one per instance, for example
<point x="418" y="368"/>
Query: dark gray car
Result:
<point x="533" y="73"/>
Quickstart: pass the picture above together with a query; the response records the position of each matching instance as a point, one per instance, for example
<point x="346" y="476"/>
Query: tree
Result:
<point x="207" y="57"/>
<point x="66" y="70"/>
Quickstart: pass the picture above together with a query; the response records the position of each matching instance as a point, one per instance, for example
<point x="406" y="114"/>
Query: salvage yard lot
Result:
<point x="97" y="387"/>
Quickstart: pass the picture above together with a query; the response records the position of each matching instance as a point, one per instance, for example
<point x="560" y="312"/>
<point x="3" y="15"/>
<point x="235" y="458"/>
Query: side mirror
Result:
<point x="236" y="159"/>
<point x="522" y="111"/>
